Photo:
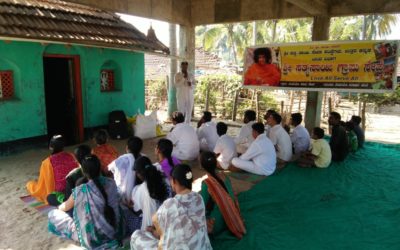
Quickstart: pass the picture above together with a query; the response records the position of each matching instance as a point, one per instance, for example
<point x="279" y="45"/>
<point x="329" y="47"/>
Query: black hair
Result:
<point x="258" y="127"/>
<point x="56" y="144"/>
<point x="336" y="115"/>
<point x="81" y="152"/>
<point x="165" y="147"/>
<point x="297" y="118"/>
<point x="221" y="128"/>
<point x="250" y="115"/>
<point x="319" y="132"/>
<point x="356" y="119"/>
<point x="154" y="178"/>
<point x="178" y="117"/>
<point x="207" y="116"/>
<point x="262" y="51"/>
<point x="208" y="161"/>
<point x="349" y="126"/>
<point x="183" y="175"/>
<point x="184" y="63"/>
<point x="268" y="113"/>
<point x="277" y="117"/>
<point x="135" y="145"/>
<point x="91" y="167"/>
<point x="101" y="137"/>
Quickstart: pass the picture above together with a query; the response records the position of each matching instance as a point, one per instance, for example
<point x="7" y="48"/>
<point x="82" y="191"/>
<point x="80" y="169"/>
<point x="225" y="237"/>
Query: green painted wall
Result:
<point x="25" y="115"/>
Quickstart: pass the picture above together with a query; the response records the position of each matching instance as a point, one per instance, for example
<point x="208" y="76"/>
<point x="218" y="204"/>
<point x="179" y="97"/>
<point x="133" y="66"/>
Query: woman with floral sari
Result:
<point x="180" y="221"/>
<point x="97" y="220"/>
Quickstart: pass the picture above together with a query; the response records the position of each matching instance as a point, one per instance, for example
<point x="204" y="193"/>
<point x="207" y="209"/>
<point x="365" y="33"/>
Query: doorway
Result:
<point x="63" y="97"/>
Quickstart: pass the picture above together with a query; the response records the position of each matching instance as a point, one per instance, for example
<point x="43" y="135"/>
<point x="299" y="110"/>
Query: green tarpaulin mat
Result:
<point x="350" y="205"/>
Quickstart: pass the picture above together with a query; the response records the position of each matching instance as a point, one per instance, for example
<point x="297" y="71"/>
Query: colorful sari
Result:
<point x="89" y="226"/>
<point x="182" y="222"/>
<point x="106" y="154"/>
<point x="222" y="206"/>
<point x="52" y="175"/>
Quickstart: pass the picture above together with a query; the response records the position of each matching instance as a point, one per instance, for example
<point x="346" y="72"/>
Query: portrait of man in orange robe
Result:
<point x="262" y="72"/>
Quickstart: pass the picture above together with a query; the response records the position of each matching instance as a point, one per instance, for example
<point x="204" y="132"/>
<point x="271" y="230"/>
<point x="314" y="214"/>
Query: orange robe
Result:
<point x="267" y="74"/>
<point x="45" y="185"/>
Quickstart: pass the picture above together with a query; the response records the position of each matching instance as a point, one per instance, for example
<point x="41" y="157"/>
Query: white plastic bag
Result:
<point x="145" y="126"/>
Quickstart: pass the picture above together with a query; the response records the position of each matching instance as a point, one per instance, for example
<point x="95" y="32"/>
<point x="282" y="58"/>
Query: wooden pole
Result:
<point x="235" y="103"/>
<point x="282" y="106"/>
<point x="300" y="100"/>
<point x="258" y="105"/>
<point x="207" y="98"/>
<point x="363" y="116"/>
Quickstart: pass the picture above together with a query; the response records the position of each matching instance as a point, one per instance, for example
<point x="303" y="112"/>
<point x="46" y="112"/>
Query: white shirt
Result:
<point x="208" y="133"/>
<point x="182" y="83"/>
<point x="226" y="147"/>
<point x="245" y="134"/>
<point x="142" y="201"/>
<point x="300" y="139"/>
<point x="185" y="141"/>
<point x="262" y="153"/>
<point x="124" y="175"/>
<point x="281" y="139"/>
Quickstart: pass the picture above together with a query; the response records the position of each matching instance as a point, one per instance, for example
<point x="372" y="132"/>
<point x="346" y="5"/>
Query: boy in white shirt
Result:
<point x="300" y="136"/>
<point x="225" y="149"/>
<point x="245" y="138"/>
<point x="207" y="132"/>
<point x="184" y="138"/>
<point x="260" y="158"/>
<point x="280" y="139"/>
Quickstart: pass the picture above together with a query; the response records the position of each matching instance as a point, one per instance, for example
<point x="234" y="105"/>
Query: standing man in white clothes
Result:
<point x="207" y="132"/>
<point x="245" y="137"/>
<point x="184" y="84"/>
<point x="260" y="157"/>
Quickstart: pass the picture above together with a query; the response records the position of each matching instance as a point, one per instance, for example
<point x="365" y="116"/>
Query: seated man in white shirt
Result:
<point x="245" y="138"/>
<point x="260" y="158"/>
<point x="207" y="132"/>
<point x="280" y="139"/>
<point x="300" y="136"/>
<point x="267" y="127"/>
<point x="225" y="149"/>
<point x="184" y="138"/>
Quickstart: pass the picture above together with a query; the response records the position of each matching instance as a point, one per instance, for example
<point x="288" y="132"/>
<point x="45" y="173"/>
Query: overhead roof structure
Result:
<point x="66" y="22"/>
<point x="199" y="12"/>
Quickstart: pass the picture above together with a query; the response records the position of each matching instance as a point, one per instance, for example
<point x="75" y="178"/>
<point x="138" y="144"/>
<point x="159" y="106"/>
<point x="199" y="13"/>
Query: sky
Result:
<point x="162" y="28"/>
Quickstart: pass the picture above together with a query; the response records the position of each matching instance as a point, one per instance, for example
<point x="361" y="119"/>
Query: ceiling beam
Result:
<point x="313" y="7"/>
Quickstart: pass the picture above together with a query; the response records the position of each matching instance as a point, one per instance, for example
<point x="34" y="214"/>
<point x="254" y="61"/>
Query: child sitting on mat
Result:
<point x="320" y="156"/>
<point x="104" y="151"/>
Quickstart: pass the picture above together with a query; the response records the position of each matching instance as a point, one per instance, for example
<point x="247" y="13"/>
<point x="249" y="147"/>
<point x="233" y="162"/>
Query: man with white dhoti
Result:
<point x="184" y="84"/>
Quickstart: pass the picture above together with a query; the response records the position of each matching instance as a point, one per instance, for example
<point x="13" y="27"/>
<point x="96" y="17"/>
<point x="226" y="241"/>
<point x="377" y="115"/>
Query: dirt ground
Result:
<point x="22" y="227"/>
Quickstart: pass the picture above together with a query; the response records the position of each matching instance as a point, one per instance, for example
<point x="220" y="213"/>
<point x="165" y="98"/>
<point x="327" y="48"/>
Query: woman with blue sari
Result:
<point x="97" y="220"/>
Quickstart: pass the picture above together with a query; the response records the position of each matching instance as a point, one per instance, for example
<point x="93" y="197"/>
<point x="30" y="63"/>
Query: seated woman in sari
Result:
<point x="73" y="179"/>
<point x="164" y="154"/>
<point x="180" y="222"/>
<point x="97" y="222"/>
<point x="221" y="206"/>
<point x="150" y="194"/>
<point x="104" y="151"/>
<point x="53" y="171"/>
<point x="262" y="72"/>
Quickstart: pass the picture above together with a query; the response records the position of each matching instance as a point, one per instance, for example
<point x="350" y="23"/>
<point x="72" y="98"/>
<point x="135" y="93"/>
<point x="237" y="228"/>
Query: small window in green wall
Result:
<point x="110" y="77"/>
<point x="6" y="85"/>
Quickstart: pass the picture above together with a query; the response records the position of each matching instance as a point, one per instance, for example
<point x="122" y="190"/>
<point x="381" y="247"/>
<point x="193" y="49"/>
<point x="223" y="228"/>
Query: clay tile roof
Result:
<point x="60" y="21"/>
<point x="157" y="67"/>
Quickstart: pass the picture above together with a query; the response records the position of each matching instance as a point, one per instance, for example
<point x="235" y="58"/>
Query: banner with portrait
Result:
<point x="362" y="66"/>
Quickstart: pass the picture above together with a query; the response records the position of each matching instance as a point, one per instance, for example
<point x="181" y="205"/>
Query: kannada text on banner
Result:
<point x="364" y="65"/>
